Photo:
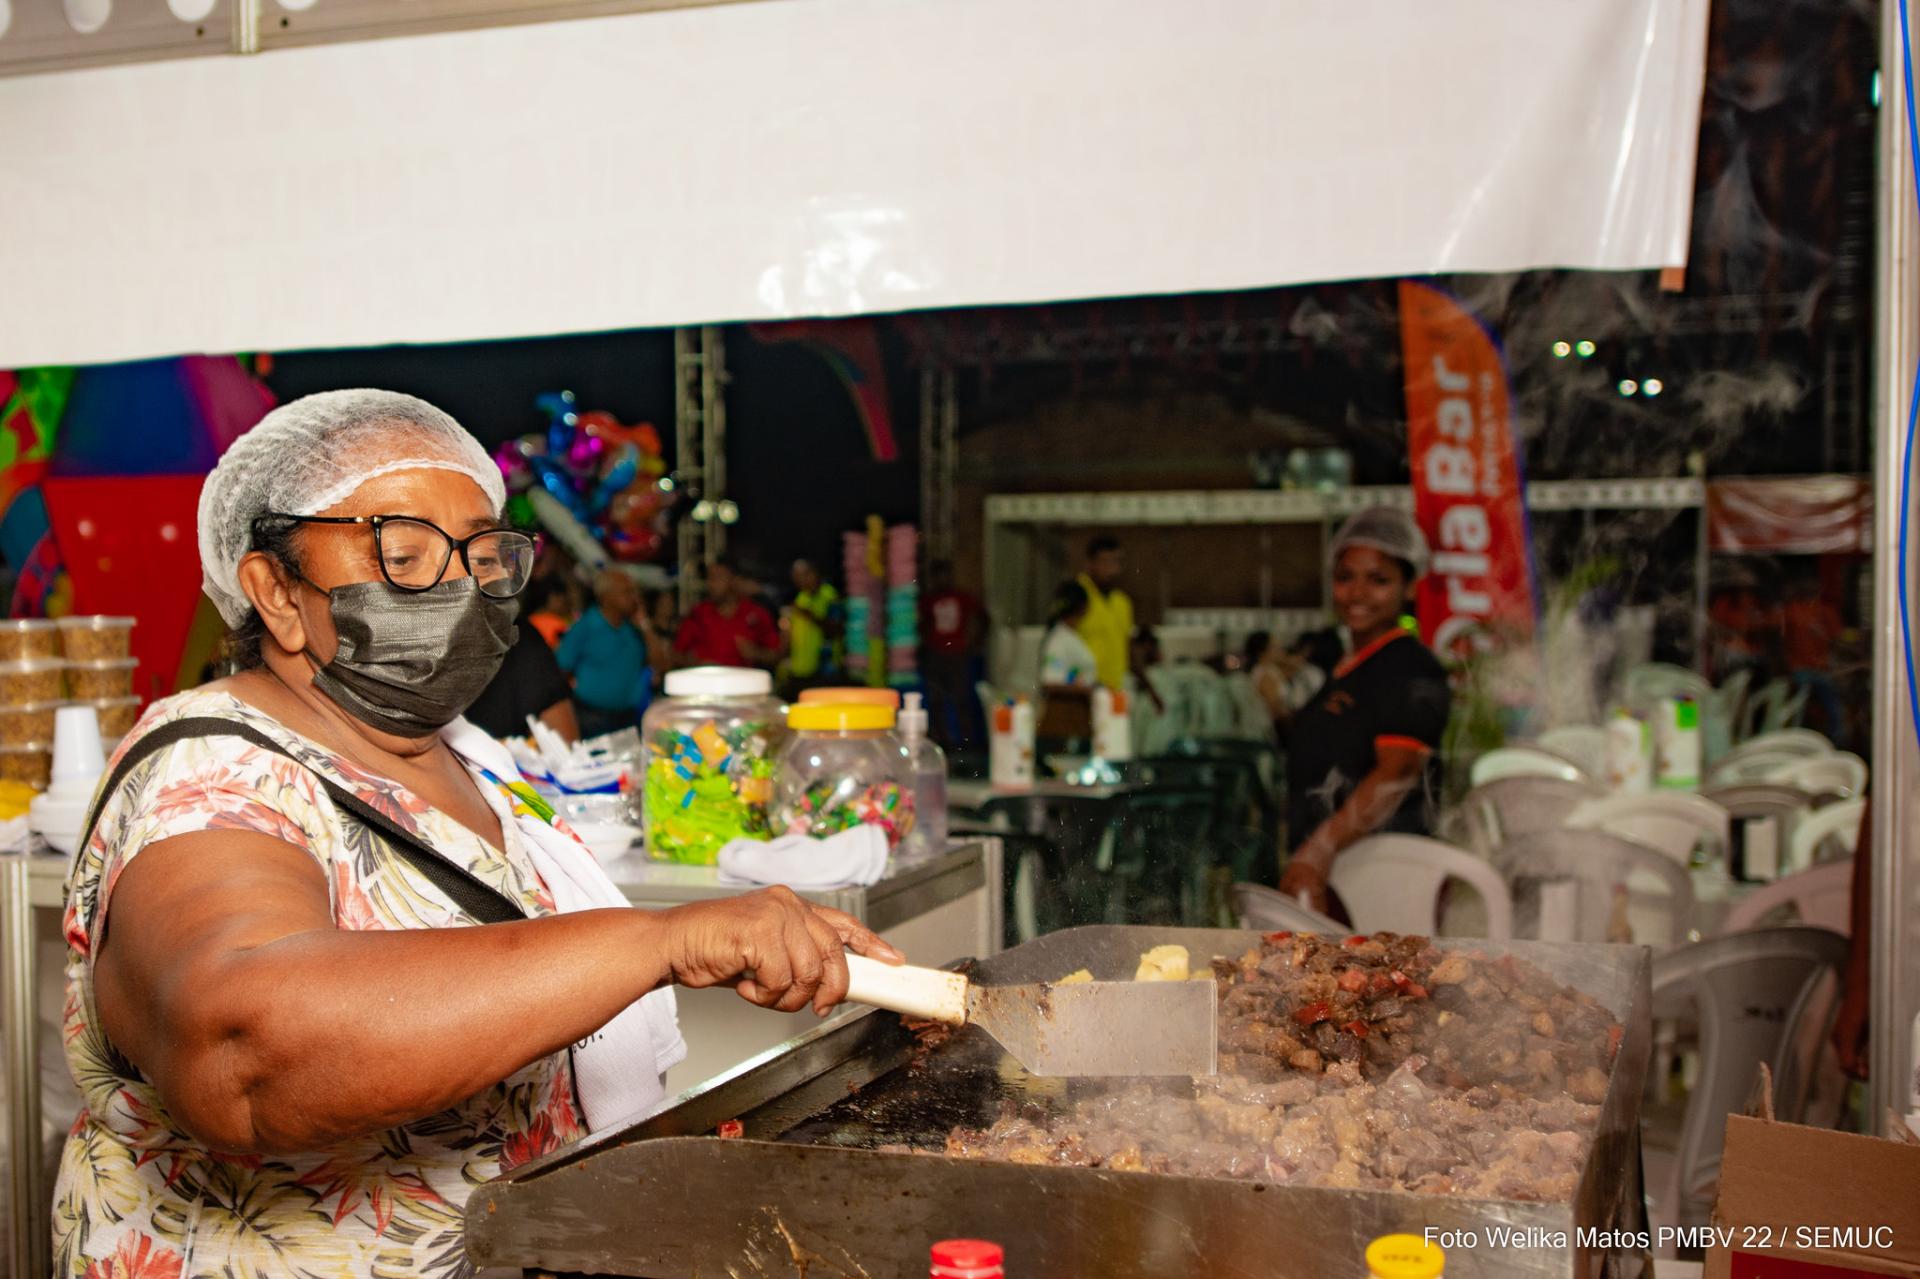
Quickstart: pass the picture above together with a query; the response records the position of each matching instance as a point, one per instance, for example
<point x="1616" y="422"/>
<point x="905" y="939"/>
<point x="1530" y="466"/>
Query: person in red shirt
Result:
<point x="953" y="630"/>
<point x="1809" y="628"/>
<point x="727" y="628"/>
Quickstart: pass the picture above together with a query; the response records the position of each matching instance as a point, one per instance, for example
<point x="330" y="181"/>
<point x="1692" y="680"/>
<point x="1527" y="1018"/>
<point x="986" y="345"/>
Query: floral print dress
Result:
<point x="137" y="1198"/>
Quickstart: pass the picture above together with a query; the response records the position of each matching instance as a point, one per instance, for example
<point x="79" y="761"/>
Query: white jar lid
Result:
<point x="719" y="681"/>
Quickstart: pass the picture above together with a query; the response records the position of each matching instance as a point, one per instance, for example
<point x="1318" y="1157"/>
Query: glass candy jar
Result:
<point x="710" y="747"/>
<point x="842" y="767"/>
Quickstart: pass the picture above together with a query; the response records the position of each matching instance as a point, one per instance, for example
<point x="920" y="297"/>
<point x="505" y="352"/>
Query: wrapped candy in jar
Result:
<point x="843" y="767"/>
<point x="710" y="745"/>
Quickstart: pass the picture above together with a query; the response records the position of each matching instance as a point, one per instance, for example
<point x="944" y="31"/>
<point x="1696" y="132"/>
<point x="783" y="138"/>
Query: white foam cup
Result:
<point x="78" y="755"/>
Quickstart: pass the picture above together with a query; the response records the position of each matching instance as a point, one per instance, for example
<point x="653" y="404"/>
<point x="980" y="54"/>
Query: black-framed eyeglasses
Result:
<point x="414" y="553"/>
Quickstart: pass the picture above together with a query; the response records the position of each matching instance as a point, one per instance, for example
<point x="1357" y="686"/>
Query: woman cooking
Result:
<point x="1358" y="752"/>
<point x="298" y="1043"/>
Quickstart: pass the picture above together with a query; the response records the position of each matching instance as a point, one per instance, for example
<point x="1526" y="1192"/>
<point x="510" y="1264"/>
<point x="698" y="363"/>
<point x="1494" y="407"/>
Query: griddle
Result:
<point x="805" y="1191"/>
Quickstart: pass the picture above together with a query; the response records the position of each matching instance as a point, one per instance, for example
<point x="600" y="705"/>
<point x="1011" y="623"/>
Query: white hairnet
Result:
<point x="1386" y="529"/>
<point x="310" y="454"/>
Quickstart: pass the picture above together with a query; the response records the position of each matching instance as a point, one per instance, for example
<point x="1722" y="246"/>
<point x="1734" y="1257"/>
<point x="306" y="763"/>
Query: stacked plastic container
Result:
<point x="859" y="603"/>
<point x="903" y="605"/>
<point x="883" y="604"/>
<point x="45" y="665"/>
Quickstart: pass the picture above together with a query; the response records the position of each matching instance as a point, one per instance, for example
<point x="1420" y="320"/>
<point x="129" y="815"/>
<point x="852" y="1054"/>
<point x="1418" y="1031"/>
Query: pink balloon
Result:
<point x="583" y="455"/>
<point x="511" y="458"/>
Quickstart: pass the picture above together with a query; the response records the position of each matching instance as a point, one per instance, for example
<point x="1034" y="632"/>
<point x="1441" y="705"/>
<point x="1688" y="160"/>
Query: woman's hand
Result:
<point x="773" y="947"/>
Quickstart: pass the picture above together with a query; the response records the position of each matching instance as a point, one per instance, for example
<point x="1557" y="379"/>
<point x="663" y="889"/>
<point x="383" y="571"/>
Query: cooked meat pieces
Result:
<point x="1370" y="1062"/>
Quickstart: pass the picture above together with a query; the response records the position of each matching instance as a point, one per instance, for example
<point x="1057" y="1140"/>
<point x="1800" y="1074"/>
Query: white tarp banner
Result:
<point x="825" y="157"/>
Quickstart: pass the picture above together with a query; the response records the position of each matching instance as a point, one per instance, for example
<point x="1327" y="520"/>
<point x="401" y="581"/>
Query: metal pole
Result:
<point x="687" y="456"/>
<point x="1896" y="753"/>
<point x="26" y="1196"/>
<point x="929" y="468"/>
<point x="713" y="407"/>
<point x="1702" y="573"/>
<point x="245" y="33"/>
<point x="946" y="480"/>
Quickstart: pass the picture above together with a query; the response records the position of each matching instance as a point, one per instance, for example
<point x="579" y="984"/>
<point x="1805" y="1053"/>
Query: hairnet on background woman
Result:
<point x="1360" y="752"/>
<point x="356" y="965"/>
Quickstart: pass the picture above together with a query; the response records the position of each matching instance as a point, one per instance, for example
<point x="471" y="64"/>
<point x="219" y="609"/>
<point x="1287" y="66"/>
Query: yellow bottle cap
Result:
<point x="841" y="718"/>
<point x="846" y="696"/>
<point x="1404" y="1257"/>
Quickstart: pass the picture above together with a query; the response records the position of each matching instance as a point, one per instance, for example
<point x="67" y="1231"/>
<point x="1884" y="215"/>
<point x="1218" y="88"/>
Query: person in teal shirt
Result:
<point x="606" y="655"/>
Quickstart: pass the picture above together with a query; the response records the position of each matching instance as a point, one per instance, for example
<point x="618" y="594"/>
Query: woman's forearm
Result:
<point x="1372" y="803"/>
<point x="323" y="1035"/>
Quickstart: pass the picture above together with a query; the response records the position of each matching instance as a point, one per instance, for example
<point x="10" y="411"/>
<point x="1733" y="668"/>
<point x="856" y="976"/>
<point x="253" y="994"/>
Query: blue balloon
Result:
<point x="624" y="471"/>
<point x="555" y="403"/>
<point x="556" y="481"/>
<point x="561" y="419"/>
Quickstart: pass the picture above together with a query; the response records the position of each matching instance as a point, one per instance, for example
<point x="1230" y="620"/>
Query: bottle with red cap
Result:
<point x="967" y="1259"/>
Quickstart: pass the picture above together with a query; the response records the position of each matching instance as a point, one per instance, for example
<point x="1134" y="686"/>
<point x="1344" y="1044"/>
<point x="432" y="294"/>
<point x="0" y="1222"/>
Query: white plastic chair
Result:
<point x="1800" y="741"/>
<point x="1598" y="866"/>
<point x="1270" y="910"/>
<point x="1523" y="761"/>
<point x="1764" y="996"/>
<point x="1672" y="821"/>
<point x="1584" y="744"/>
<point x="1501" y="810"/>
<point x="1720" y="715"/>
<point x="1825" y="834"/>
<point x="1840" y="773"/>
<point x="1773" y="708"/>
<point x="1744" y="766"/>
<point x="1821" y="897"/>
<point x="1392" y="883"/>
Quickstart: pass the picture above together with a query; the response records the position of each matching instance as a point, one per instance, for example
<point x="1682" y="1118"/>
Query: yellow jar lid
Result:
<point x="1404" y="1257"/>
<point x="848" y="696"/>
<point x="842" y="717"/>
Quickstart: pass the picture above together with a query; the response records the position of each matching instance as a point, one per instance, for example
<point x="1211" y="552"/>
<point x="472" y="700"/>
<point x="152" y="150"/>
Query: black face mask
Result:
<point x="409" y="662"/>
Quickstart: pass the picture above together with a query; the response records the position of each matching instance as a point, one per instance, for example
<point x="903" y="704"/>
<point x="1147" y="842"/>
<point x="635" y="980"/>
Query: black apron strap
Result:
<point x="466" y="890"/>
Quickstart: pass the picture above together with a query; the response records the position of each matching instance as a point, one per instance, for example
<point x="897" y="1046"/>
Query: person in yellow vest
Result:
<point x="1108" y="625"/>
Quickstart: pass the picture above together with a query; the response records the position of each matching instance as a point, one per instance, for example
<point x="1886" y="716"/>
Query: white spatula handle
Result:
<point x="917" y="992"/>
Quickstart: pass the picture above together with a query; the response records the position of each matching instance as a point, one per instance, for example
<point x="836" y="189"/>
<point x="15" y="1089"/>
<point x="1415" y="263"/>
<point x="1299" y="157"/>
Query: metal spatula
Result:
<point x="1084" y="1028"/>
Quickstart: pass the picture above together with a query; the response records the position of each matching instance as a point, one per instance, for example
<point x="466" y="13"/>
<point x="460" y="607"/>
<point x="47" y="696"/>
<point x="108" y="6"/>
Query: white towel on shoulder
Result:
<point x="616" y="1069"/>
<point x="854" y="856"/>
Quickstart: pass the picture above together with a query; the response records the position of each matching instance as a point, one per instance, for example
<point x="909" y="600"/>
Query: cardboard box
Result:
<point x="1806" y="1203"/>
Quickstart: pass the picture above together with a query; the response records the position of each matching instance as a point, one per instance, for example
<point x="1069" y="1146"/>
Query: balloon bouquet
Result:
<point x="598" y="486"/>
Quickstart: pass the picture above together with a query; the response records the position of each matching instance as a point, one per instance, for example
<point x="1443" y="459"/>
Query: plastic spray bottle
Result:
<point x="929" y="765"/>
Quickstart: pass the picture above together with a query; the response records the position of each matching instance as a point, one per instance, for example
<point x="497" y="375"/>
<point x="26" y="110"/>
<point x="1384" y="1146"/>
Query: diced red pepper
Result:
<point x="1381" y="984"/>
<point x="1317" y="1011"/>
<point x="1357" y="939"/>
<point x="1279" y="937"/>
<point x="1399" y="978"/>
<point x="730" y="1128"/>
<point x="1357" y="1028"/>
<point x="1414" y="990"/>
<point x="1353" y="980"/>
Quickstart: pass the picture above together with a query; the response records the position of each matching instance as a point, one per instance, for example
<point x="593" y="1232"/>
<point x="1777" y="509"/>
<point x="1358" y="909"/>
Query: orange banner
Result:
<point x="1468" y="491"/>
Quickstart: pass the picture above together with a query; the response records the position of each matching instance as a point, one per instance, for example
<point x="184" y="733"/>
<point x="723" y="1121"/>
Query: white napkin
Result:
<point x="616" y="1069"/>
<point x="854" y="856"/>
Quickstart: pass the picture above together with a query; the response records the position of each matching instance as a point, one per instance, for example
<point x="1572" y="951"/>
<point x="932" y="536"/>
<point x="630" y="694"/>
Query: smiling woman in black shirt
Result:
<point x="1359" y="752"/>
